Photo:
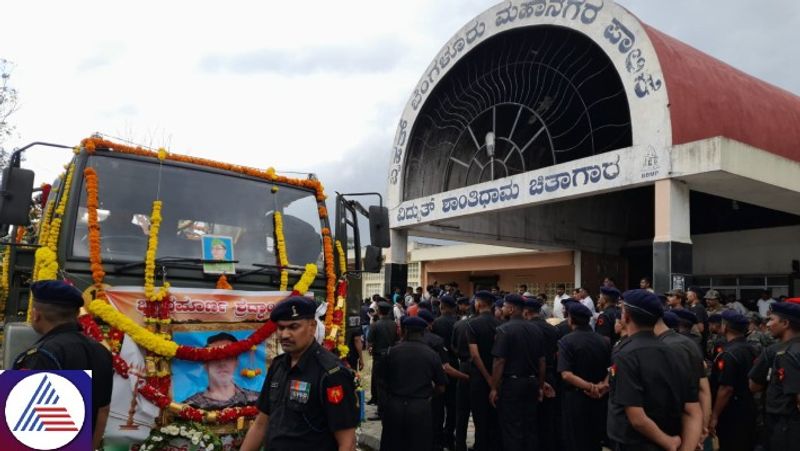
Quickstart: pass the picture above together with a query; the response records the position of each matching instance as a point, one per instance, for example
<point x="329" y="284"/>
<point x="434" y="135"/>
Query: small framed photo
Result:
<point x="218" y="247"/>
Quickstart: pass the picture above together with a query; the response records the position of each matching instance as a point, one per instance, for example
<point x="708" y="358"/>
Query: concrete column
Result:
<point x="576" y="262"/>
<point x="396" y="267"/>
<point x="672" y="243"/>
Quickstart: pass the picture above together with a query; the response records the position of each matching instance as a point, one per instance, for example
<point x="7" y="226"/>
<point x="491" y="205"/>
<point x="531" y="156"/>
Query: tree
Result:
<point x="8" y="105"/>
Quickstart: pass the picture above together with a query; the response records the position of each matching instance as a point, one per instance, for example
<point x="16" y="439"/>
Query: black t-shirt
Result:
<point x="459" y="342"/>
<point x="436" y="344"/>
<point x="382" y="335"/>
<point x="66" y="348"/>
<point x="605" y="323"/>
<point x="585" y="354"/>
<point x="443" y="327"/>
<point x="778" y="367"/>
<point x="365" y="315"/>
<point x="691" y="358"/>
<point x="521" y="344"/>
<point x="550" y="336"/>
<point x="307" y="403"/>
<point x="643" y="374"/>
<point x="412" y="369"/>
<point x="733" y="366"/>
<point x="481" y="331"/>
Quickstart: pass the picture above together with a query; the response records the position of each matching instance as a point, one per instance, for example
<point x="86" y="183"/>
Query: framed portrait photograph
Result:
<point x="218" y="247"/>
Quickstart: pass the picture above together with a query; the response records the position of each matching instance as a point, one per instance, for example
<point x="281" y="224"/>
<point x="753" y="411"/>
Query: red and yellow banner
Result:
<point x="199" y="304"/>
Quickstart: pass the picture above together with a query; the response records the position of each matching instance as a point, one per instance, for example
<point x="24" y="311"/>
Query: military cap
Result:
<point x="580" y="310"/>
<point x="715" y="318"/>
<point x="515" y="300"/>
<point x="384" y="306"/>
<point x="426" y="315"/>
<point x="685" y="315"/>
<point x="222" y="336"/>
<point x="610" y="292"/>
<point x="643" y="301"/>
<point x="294" y="308"/>
<point x="498" y="303"/>
<point x="676" y="292"/>
<point x="735" y="318"/>
<point x="670" y="319"/>
<point x="218" y="242"/>
<point x="448" y="300"/>
<point x="566" y="301"/>
<point x="787" y="310"/>
<point x="755" y="317"/>
<point x="533" y="304"/>
<point x="484" y="296"/>
<point x="56" y="292"/>
<point x="462" y="301"/>
<point x="413" y="322"/>
<point x="711" y="294"/>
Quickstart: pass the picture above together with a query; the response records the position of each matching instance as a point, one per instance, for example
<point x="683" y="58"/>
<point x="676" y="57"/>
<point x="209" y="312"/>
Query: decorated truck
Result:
<point x="181" y="260"/>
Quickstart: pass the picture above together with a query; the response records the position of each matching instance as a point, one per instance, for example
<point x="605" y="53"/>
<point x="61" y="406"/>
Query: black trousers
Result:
<point x="406" y="424"/>
<point x="487" y="434"/>
<point x="549" y="427"/>
<point x="377" y="385"/>
<point x="783" y="432"/>
<point x="462" y="408"/>
<point x="516" y="412"/>
<point x="437" y="422"/>
<point x="584" y="421"/>
<point x="736" y="429"/>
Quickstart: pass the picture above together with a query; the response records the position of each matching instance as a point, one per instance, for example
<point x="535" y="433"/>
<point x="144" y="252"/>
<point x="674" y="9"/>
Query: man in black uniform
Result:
<point x="413" y="373"/>
<point x="63" y="347"/>
<point x="563" y="327"/>
<point x="686" y="323"/>
<point x="480" y="336"/>
<point x="610" y="315"/>
<point x="584" y="358"/>
<point x="383" y="334"/>
<point x="649" y="396"/>
<point x="778" y="370"/>
<point x="733" y="420"/>
<point x="518" y="376"/>
<point x="308" y="401"/>
<point x="549" y="414"/>
<point x="460" y="346"/>
<point x="444" y="414"/>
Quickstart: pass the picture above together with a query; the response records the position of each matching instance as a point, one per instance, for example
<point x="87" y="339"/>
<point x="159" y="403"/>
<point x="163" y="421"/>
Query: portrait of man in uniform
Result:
<point x="219" y="248"/>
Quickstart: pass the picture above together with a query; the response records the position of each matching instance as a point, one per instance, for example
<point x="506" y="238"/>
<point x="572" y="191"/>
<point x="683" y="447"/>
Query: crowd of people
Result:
<point x="636" y="370"/>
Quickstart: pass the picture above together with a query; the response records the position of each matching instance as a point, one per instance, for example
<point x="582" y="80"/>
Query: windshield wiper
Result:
<point x="262" y="268"/>
<point x="168" y="260"/>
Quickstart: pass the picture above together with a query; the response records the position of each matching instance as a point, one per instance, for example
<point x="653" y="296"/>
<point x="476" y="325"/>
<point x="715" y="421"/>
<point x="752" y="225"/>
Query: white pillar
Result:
<point x="576" y="262"/>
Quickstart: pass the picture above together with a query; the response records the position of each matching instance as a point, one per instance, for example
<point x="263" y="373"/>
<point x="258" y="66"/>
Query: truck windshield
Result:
<point x="234" y="213"/>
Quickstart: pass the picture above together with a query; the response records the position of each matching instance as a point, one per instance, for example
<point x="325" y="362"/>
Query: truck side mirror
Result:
<point x="379" y="226"/>
<point x="15" y="196"/>
<point x="373" y="259"/>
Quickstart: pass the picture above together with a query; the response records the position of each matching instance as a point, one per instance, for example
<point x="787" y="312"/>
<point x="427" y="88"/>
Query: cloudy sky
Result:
<point x="302" y="86"/>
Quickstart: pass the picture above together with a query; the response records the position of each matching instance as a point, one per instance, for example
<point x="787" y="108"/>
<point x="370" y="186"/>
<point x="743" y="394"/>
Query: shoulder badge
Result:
<point x="335" y="394"/>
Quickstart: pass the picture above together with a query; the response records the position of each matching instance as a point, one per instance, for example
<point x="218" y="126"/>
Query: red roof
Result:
<point x="710" y="98"/>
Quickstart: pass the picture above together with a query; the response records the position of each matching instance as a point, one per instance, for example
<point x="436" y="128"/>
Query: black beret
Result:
<point x="514" y="299"/>
<point x="463" y="301"/>
<point x="426" y="315"/>
<point x="735" y="318"/>
<point x="448" y="300"/>
<point x="715" y="318"/>
<point x="533" y="304"/>
<point x="787" y="310"/>
<point x="413" y="322"/>
<point x="56" y="292"/>
<point x="670" y="319"/>
<point x="566" y="301"/>
<point x="498" y="303"/>
<point x="222" y="336"/>
<point x="294" y="308"/>
<point x="611" y="292"/>
<point x="484" y="296"/>
<point x="384" y="306"/>
<point x="685" y="315"/>
<point x="643" y="301"/>
<point x="579" y="310"/>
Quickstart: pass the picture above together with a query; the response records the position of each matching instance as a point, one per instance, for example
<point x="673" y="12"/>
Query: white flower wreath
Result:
<point x="200" y="436"/>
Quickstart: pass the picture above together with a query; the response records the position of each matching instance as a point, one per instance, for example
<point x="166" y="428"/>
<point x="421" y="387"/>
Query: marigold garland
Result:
<point x="222" y="283"/>
<point x="280" y="247"/>
<point x="342" y="259"/>
<point x="92" y="204"/>
<point x="140" y="335"/>
<point x="302" y="285"/>
<point x="150" y="258"/>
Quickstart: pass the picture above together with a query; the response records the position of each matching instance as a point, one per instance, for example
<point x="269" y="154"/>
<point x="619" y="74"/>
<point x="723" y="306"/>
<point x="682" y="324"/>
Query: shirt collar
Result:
<point x="307" y="355"/>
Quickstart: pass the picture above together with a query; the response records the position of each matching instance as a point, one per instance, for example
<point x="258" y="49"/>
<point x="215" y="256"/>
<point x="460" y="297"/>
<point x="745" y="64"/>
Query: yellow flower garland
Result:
<point x="306" y="279"/>
<point x="150" y="258"/>
<point x="143" y="337"/>
<point x="280" y="246"/>
<point x="342" y="259"/>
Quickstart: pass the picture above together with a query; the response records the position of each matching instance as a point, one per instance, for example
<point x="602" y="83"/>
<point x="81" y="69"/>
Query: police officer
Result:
<point x="649" y="398"/>
<point x="518" y="376"/>
<point x="733" y="419"/>
<point x="610" y="314"/>
<point x="549" y="414"/>
<point x="460" y="347"/>
<point x="308" y="401"/>
<point x="444" y="414"/>
<point x="584" y="358"/>
<point x="63" y="347"/>
<point x="686" y="323"/>
<point x="480" y="336"/>
<point x="413" y="373"/>
<point x="778" y="370"/>
<point x="383" y="334"/>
